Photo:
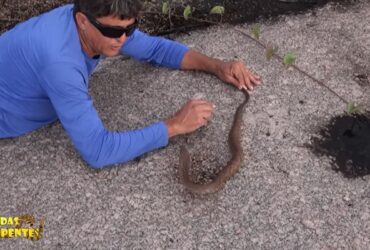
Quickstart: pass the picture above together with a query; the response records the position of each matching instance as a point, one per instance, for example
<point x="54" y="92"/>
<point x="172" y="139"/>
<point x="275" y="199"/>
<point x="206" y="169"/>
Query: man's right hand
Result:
<point x="193" y="115"/>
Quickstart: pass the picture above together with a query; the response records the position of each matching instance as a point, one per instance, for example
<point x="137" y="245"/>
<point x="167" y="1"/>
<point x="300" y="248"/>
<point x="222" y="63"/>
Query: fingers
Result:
<point x="256" y="79"/>
<point x="194" y="114"/>
<point x="240" y="76"/>
<point x="202" y="110"/>
<point x="205" y="118"/>
<point x="202" y="122"/>
<point x="243" y="78"/>
<point x="246" y="81"/>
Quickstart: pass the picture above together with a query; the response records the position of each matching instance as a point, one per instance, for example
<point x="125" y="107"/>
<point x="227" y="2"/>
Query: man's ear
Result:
<point x="81" y="20"/>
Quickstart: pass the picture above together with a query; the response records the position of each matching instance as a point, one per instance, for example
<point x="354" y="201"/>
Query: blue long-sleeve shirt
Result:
<point x="44" y="75"/>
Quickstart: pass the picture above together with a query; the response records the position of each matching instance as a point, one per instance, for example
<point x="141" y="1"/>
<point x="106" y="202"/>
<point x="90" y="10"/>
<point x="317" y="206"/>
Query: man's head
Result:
<point x="104" y="25"/>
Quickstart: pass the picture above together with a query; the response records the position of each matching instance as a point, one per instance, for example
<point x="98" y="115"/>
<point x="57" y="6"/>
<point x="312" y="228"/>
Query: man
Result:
<point x="45" y="64"/>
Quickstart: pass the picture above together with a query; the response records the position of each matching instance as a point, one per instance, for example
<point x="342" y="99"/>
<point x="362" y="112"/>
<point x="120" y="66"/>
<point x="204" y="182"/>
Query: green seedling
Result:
<point x="187" y="12"/>
<point x="270" y="50"/>
<point x="220" y="10"/>
<point x="165" y="7"/>
<point x="256" y="30"/>
<point x="289" y="59"/>
<point x="353" y="108"/>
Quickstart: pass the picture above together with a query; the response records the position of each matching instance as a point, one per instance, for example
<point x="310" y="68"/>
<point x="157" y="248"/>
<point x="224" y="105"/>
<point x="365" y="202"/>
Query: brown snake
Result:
<point x="228" y="171"/>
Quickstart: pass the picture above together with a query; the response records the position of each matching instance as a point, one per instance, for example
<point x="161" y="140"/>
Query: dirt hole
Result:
<point x="347" y="140"/>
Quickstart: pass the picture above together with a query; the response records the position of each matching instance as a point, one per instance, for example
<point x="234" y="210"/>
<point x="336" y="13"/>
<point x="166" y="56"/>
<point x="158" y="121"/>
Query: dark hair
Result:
<point x="123" y="9"/>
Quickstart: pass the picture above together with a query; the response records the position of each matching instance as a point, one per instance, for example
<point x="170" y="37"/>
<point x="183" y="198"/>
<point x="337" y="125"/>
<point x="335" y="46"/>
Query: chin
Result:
<point x="110" y="53"/>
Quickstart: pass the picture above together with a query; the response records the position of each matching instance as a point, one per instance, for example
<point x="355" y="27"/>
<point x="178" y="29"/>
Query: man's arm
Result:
<point x="234" y="72"/>
<point x="172" y="54"/>
<point x="154" y="50"/>
<point x="68" y="93"/>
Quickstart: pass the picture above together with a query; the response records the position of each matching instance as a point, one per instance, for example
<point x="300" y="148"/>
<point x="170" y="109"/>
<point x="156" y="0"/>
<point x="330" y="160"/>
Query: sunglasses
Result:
<point x="112" y="31"/>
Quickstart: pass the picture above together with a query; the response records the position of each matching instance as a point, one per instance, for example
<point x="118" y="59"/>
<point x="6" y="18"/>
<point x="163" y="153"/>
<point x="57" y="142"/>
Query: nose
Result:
<point x="122" y="38"/>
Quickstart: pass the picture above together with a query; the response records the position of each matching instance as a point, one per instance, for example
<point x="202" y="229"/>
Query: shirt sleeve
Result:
<point x="67" y="90"/>
<point x="154" y="50"/>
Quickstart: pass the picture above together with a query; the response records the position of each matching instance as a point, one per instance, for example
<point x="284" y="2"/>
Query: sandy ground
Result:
<point x="284" y="197"/>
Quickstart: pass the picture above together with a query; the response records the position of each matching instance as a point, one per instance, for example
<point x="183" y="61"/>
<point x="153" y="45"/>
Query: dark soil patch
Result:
<point x="155" y="22"/>
<point x="347" y="139"/>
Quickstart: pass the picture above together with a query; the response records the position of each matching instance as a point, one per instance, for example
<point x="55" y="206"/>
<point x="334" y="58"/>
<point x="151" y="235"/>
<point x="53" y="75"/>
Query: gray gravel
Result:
<point x="284" y="196"/>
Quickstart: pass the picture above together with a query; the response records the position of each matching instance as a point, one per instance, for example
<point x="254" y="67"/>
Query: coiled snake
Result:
<point x="228" y="171"/>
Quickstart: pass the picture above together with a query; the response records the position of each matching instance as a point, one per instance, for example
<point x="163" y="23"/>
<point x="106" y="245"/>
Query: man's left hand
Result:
<point x="237" y="74"/>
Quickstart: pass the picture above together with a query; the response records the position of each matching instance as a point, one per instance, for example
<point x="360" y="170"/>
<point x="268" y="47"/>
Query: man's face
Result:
<point x="102" y="44"/>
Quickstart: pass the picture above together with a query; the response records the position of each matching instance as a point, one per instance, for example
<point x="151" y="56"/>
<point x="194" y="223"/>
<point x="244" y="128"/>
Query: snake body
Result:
<point x="228" y="171"/>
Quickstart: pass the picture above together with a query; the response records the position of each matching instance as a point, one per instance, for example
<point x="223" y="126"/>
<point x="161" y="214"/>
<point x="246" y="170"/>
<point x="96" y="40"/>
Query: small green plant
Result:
<point x="270" y="50"/>
<point x="220" y="10"/>
<point x="187" y="12"/>
<point x="289" y="59"/>
<point x="353" y="108"/>
<point x="165" y="7"/>
<point x="256" y="30"/>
